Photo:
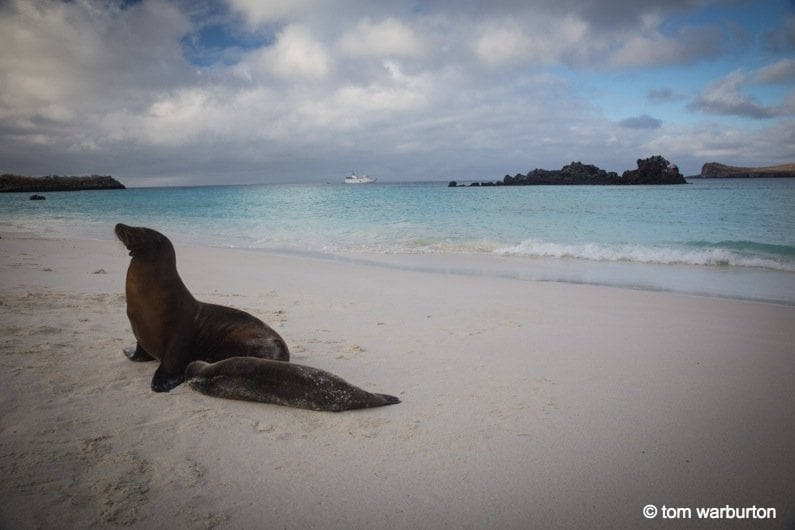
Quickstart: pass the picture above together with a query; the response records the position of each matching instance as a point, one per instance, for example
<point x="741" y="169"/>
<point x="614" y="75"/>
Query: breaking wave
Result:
<point x="704" y="253"/>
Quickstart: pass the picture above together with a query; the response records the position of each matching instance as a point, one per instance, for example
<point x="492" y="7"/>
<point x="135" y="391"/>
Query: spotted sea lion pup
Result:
<point x="221" y="351"/>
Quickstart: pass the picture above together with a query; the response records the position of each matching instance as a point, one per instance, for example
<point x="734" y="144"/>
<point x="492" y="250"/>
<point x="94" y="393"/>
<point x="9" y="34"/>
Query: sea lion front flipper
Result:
<point x="171" y="372"/>
<point x="137" y="354"/>
<point x="164" y="381"/>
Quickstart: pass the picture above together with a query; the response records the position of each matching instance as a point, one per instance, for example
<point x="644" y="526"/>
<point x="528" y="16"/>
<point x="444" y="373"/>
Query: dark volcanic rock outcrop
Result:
<point x="574" y="173"/>
<point x="17" y="183"/>
<point x="653" y="170"/>
<point x="713" y="170"/>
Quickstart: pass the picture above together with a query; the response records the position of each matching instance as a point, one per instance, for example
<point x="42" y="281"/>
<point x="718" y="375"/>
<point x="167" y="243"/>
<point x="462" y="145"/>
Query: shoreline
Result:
<point x="525" y="403"/>
<point x="734" y="282"/>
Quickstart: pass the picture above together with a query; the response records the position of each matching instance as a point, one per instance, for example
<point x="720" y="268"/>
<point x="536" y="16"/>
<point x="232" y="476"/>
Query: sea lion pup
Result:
<point x="280" y="383"/>
<point x="247" y="359"/>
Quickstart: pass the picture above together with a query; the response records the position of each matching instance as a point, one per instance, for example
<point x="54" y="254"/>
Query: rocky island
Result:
<point x="652" y="170"/>
<point x="17" y="183"/>
<point x="714" y="170"/>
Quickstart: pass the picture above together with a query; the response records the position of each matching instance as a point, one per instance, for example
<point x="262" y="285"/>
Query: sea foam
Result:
<point x="697" y="253"/>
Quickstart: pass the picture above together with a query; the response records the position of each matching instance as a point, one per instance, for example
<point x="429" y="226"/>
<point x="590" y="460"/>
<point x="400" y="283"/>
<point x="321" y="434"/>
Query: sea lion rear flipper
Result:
<point x="390" y="400"/>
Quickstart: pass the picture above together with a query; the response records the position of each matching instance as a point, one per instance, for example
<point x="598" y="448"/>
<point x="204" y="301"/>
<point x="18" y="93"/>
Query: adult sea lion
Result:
<point x="227" y="352"/>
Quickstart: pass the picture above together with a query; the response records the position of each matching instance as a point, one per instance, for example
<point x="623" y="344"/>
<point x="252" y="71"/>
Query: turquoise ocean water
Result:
<point x="732" y="238"/>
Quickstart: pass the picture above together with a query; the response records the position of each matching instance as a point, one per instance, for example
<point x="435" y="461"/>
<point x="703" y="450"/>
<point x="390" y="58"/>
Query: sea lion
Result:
<point x="172" y="327"/>
<point x="280" y="383"/>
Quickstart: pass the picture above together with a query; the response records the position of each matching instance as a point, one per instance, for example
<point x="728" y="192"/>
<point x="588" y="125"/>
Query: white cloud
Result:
<point x="178" y="118"/>
<point x="388" y="38"/>
<point x="540" y="40"/>
<point x="260" y="12"/>
<point x="725" y="97"/>
<point x="67" y="67"/>
<point x="379" y="98"/>
<point x="295" y="56"/>
<point x="717" y="142"/>
<point x="501" y="43"/>
<point x="651" y="48"/>
<point x="81" y="53"/>
<point x="782" y="71"/>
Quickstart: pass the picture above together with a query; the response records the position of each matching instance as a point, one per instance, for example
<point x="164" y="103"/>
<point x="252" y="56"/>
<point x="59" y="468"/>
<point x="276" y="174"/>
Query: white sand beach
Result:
<point x="525" y="404"/>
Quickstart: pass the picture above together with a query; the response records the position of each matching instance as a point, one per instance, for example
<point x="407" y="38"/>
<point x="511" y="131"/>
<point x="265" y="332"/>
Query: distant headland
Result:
<point x="652" y="170"/>
<point x="17" y="183"/>
<point x="713" y="170"/>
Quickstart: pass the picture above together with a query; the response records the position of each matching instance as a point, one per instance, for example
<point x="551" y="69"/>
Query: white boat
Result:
<point x="359" y="179"/>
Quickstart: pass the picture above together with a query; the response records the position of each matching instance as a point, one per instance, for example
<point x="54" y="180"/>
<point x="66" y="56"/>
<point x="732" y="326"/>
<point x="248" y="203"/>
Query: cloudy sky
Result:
<point x="179" y="92"/>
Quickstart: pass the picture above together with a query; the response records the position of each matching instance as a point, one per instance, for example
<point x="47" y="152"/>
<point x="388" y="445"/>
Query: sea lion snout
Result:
<point x="122" y="231"/>
<point x="139" y="238"/>
<point x="130" y="236"/>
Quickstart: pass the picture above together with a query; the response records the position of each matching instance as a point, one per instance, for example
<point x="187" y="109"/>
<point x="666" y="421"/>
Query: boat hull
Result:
<point x="359" y="180"/>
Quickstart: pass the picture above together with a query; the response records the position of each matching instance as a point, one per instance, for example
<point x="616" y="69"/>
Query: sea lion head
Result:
<point x="141" y="241"/>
